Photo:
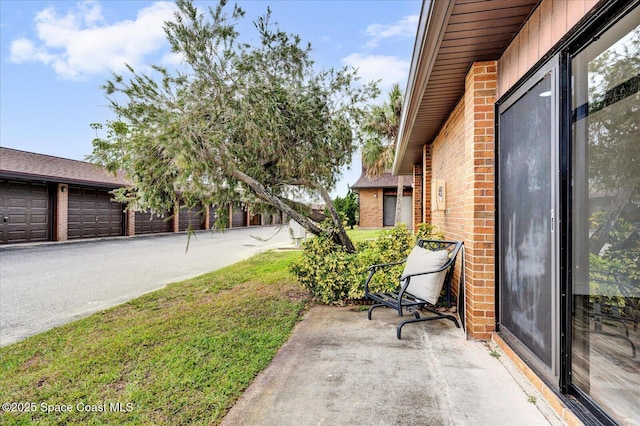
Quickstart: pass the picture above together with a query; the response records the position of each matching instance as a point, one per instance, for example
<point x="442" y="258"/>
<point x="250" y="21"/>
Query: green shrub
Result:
<point x="333" y="275"/>
<point x="324" y="269"/>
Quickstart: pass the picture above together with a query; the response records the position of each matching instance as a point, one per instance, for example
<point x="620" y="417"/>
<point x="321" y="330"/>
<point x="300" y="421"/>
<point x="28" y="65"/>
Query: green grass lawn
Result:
<point x="358" y="234"/>
<point x="180" y="355"/>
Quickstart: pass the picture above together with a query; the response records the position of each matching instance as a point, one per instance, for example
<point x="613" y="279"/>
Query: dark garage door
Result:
<point x="24" y="212"/>
<point x="148" y="223"/>
<point x="256" y="219"/>
<point x="191" y="218"/>
<point x="239" y="217"/>
<point x="92" y="214"/>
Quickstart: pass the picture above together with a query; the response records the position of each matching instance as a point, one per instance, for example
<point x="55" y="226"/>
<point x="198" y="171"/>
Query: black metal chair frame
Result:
<point x="401" y="300"/>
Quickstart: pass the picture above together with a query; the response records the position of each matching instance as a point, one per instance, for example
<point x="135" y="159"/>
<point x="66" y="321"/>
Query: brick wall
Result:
<point x="418" y="196"/>
<point x="427" y="175"/>
<point x="176" y="216"/>
<point x="480" y="98"/>
<point x="62" y="212"/>
<point x="370" y="208"/>
<point x="448" y="164"/>
<point x="131" y="222"/>
<point x="463" y="156"/>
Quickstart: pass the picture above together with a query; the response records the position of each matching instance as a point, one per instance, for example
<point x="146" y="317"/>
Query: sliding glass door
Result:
<point x="569" y="279"/>
<point x="527" y="185"/>
<point x="605" y="253"/>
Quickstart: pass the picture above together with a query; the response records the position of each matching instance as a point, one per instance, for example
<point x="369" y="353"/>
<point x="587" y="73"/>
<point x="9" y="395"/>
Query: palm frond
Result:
<point x="382" y="128"/>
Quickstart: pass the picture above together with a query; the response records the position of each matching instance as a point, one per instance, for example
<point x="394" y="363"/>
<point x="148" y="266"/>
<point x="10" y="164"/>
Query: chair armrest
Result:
<point x="383" y="265"/>
<point x="374" y="268"/>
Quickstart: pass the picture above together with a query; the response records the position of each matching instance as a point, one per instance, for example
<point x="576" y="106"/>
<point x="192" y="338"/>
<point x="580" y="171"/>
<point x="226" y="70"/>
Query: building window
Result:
<point x="605" y="210"/>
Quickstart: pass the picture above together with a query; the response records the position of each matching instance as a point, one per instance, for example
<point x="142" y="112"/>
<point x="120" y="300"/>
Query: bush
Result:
<point x="333" y="275"/>
<point x="324" y="269"/>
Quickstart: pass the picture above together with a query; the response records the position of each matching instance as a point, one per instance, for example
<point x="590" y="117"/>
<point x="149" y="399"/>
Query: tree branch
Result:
<point x="264" y="194"/>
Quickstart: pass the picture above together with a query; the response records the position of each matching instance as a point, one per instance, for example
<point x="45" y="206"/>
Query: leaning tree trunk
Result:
<point x="399" y="194"/>
<point x="339" y="237"/>
<point x="315" y="216"/>
<point x="337" y="221"/>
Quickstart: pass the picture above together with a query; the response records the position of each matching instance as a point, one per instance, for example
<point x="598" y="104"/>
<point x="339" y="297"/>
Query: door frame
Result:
<point x="552" y="68"/>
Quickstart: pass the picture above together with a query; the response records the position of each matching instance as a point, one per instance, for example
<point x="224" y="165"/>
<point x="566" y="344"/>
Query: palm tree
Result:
<point x="378" y="149"/>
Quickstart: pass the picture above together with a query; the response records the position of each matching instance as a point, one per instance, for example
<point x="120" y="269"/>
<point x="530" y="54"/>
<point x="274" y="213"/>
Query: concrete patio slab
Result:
<point x="338" y="368"/>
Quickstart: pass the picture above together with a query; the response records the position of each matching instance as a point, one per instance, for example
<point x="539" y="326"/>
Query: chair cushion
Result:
<point x="426" y="287"/>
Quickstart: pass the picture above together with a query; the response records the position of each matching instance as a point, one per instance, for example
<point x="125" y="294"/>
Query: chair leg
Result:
<point x="377" y="305"/>
<point x="439" y="316"/>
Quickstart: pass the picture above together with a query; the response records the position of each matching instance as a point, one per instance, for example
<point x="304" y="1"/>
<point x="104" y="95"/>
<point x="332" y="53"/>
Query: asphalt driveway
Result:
<point x="44" y="286"/>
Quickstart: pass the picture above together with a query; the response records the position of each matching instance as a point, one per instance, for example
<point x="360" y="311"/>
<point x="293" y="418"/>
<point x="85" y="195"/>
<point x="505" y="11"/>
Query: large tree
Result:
<point x="378" y="149"/>
<point x="250" y="117"/>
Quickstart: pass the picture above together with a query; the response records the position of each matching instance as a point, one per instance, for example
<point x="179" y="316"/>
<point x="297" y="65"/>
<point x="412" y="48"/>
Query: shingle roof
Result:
<point x="16" y="163"/>
<point x="386" y="180"/>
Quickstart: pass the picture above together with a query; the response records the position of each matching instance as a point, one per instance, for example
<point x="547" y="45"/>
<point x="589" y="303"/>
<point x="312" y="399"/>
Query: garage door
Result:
<point x="191" y="218"/>
<point x="92" y="214"/>
<point x="256" y="219"/>
<point x="148" y="223"/>
<point x="239" y="217"/>
<point x="24" y="212"/>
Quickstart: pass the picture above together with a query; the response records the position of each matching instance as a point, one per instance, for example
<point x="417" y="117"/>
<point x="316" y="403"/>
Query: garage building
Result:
<point x="47" y="198"/>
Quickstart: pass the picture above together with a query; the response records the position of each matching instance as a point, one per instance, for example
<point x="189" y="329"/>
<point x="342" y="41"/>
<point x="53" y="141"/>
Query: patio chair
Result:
<point x="428" y="269"/>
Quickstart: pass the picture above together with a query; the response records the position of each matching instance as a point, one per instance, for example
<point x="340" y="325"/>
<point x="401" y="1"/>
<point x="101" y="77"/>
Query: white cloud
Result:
<point x="172" y="59"/>
<point x="405" y="27"/>
<point x="80" y="44"/>
<point x="388" y="69"/>
<point x="23" y="50"/>
<point x="91" y="12"/>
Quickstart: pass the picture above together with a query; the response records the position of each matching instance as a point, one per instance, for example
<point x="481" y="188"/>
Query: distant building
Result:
<point x="47" y="198"/>
<point x="378" y="200"/>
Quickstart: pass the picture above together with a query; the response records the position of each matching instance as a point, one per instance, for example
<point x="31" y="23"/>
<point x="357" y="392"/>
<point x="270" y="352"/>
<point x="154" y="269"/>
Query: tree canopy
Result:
<point x="254" y="118"/>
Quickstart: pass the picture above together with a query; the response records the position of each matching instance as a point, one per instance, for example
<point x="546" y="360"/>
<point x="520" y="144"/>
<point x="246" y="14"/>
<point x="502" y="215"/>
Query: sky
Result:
<point x="55" y="55"/>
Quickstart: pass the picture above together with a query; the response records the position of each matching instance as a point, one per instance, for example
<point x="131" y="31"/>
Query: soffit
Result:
<point x="452" y="35"/>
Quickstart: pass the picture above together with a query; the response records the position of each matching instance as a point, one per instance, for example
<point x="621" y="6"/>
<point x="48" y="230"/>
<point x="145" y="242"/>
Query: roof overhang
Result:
<point x="451" y="36"/>
<point x="25" y="165"/>
<point x="55" y="179"/>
